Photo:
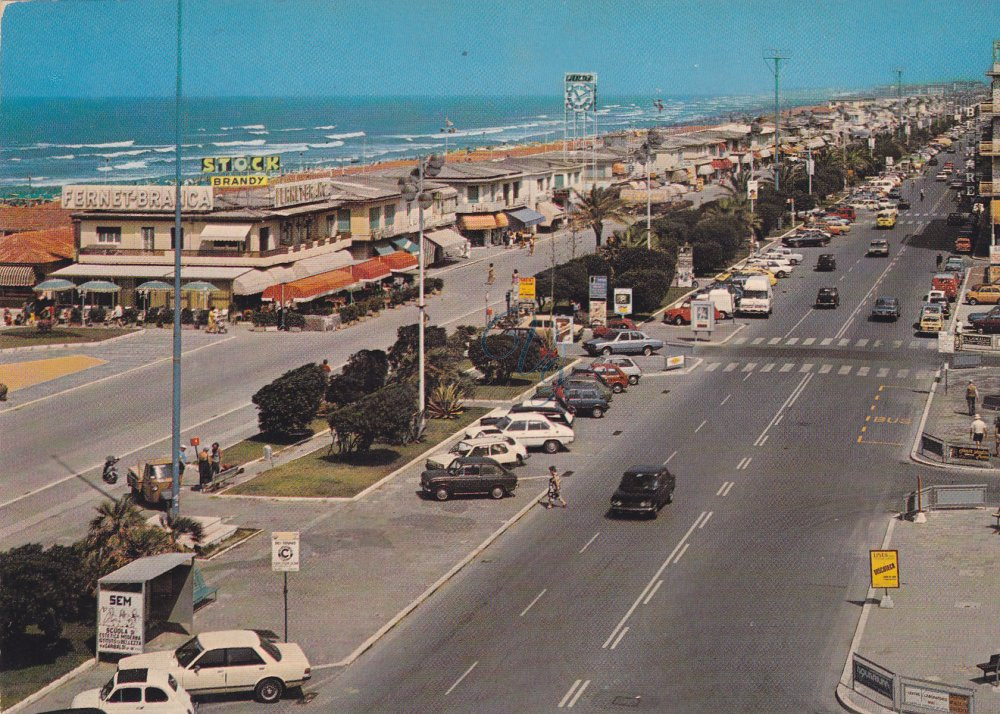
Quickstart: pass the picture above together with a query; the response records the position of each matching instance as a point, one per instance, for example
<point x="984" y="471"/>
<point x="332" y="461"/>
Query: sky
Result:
<point x="95" y="48"/>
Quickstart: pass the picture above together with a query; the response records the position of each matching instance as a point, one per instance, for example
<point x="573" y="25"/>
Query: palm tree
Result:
<point x="112" y="532"/>
<point x="597" y="206"/>
<point x="184" y="526"/>
<point x="634" y="236"/>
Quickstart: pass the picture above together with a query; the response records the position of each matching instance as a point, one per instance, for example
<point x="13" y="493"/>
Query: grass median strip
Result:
<point x="322" y="474"/>
<point x="518" y="383"/>
<point x="253" y="448"/>
<point x="30" y="336"/>
<point x="30" y="669"/>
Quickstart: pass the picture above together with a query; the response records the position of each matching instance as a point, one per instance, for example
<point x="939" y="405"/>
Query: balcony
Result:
<point x="989" y="188"/>
<point x="481" y="207"/>
<point x="989" y="148"/>
<point x="104" y="254"/>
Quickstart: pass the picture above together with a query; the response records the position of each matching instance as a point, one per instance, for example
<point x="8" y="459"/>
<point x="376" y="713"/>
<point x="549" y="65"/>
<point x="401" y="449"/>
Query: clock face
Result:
<point x="579" y="96"/>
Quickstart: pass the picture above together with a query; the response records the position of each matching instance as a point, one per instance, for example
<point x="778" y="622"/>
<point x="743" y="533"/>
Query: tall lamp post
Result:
<point x="644" y="154"/>
<point x="412" y="188"/>
<point x="175" y="436"/>
<point x="776" y="58"/>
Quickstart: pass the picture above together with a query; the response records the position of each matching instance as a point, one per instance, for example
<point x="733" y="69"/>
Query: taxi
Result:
<point x="931" y="318"/>
<point x="885" y="219"/>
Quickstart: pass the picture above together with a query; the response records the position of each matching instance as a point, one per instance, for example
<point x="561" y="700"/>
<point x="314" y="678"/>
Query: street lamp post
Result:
<point x="412" y="188"/>
<point x="175" y="437"/>
<point x="645" y="154"/>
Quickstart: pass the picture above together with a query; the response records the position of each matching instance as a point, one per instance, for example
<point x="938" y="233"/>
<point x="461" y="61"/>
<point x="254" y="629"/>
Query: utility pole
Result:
<point x="899" y="103"/>
<point x="776" y="58"/>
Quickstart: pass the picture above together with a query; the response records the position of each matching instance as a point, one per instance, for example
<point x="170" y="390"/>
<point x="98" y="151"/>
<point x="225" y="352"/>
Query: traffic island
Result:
<point x="944" y="437"/>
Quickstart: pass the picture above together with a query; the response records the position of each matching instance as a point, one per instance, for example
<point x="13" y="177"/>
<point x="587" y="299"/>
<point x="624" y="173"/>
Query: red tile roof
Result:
<point x="35" y="247"/>
<point x="14" y="219"/>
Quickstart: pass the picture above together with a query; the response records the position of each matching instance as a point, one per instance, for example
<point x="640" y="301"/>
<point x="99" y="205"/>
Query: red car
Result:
<point x="615" y="323"/>
<point x="682" y="315"/>
<point x="612" y="375"/>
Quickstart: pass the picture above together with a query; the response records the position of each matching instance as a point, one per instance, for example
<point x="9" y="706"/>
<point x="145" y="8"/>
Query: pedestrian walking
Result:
<point x="531" y="244"/>
<point x="977" y="430"/>
<point x="971" y="394"/>
<point x="182" y="459"/>
<point x="327" y="369"/>
<point x="216" y="458"/>
<point x="921" y="194"/>
<point x="515" y="278"/>
<point x="939" y="260"/>
<point x="554" y="495"/>
<point x="491" y="275"/>
<point x="204" y="468"/>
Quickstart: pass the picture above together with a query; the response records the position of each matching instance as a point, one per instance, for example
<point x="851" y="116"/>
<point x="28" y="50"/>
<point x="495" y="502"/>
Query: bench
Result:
<point x="993" y="666"/>
<point x="202" y="593"/>
<point x="225" y="477"/>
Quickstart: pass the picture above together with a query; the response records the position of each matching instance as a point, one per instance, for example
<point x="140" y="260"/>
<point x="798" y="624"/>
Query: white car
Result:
<point x="137" y="690"/>
<point x="230" y="661"/>
<point x="532" y="430"/>
<point x="786" y="253"/>
<point x="505" y="450"/>
<point x="625" y="364"/>
<point x="780" y="268"/>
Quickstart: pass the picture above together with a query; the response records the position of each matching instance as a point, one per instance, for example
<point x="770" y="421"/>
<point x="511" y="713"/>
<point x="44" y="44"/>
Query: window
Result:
<point x="148" y="238"/>
<point x="188" y="651"/>
<point x="265" y="239"/>
<point x="212" y="658"/>
<point x="537" y="426"/>
<point x="498" y="449"/>
<point x="541" y="184"/>
<point x="173" y="238"/>
<point x="517" y="189"/>
<point x="155" y="694"/>
<point x="243" y="657"/>
<point x="106" y="234"/>
<point x="374" y="217"/>
<point x="518" y="426"/>
<point x="272" y="651"/>
<point x="390" y="216"/>
<point x="344" y="221"/>
<point x="130" y="695"/>
<point x="560" y="180"/>
<point x="472" y="194"/>
<point x="331" y="226"/>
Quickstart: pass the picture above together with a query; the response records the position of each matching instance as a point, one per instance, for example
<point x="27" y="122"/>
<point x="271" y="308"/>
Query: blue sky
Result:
<point x="494" y="47"/>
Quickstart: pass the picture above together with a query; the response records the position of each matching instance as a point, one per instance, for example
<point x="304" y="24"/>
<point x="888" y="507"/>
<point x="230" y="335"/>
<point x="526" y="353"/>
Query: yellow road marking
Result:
<point x="18" y="375"/>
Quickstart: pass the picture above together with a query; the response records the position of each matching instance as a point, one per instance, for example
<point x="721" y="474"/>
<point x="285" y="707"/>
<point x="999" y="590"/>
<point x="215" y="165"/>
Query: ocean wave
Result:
<point x="346" y="135"/>
<point x="248" y="142"/>
<point x="104" y="168"/>
<point x="113" y="154"/>
<point x="14" y="158"/>
<point x="328" y="127"/>
<point x="258" y="132"/>
<point x="281" y="148"/>
<point x="294" y="128"/>
<point x="64" y="157"/>
<point x="167" y="149"/>
<point x="484" y="131"/>
<point x="327" y="145"/>
<point x="105" y="145"/>
<point x="245" y="126"/>
<point x="131" y="166"/>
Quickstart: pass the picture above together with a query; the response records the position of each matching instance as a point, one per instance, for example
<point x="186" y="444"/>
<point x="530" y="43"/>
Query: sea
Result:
<point x="48" y="143"/>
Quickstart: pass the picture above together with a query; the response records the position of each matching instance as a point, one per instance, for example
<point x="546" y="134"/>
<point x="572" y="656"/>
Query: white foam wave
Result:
<point x="326" y="145"/>
<point x="66" y="157"/>
<point x="104" y="168"/>
<point x="166" y="149"/>
<point x="258" y="132"/>
<point x="114" y="154"/>
<point x="105" y="145"/>
<point x="328" y="127"/>
<point x="131" y="166"/>
<point x="248" y="142"/>
<point x="346" y="135"/>
<point x="294" y="128"/>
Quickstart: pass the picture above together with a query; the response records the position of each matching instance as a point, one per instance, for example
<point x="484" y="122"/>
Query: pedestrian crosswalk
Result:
<point x="828" y="368"/>
<point x="842" y="342"/>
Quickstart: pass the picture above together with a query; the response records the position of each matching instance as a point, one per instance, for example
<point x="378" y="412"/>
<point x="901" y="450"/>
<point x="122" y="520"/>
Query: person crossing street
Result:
<point x="555" y="485"/>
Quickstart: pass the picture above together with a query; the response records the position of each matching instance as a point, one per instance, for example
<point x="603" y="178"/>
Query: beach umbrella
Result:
<point x="54" y="285"/>
<point x="199" y="286"/>
<point x="154" y="286"/>
<point x="99" y="286"/>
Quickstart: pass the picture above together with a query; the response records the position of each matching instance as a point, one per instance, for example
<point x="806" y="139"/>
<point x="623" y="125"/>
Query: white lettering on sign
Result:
<point x="135" y="198"/>
<point x="120" y="622"/>
<point x="290" y="194"/>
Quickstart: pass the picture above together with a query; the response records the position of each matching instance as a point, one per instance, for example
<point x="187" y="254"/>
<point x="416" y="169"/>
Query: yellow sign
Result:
<point x="248" y="181"/>
<point x="526" y="289"/>
<point x="699" y="184"/>
<point x="885" y="568"/>
<point x="224" y="164"/>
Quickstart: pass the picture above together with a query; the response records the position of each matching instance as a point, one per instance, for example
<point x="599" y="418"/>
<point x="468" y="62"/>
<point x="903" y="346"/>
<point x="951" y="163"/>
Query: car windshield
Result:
<point x="639" y="482"/>
<point x="271" y="649"/>
<point x="186" y="653"/>
<point x="502" y="423"/>
<point x="885" y="302"/>
<point x="755" y="294"/>
<point x="106" y="689"/>
<point x="462" y="447"/>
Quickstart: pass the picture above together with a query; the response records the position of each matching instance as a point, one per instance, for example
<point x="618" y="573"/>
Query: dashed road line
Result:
<point x="539" y="595"/>
<point x="592" y="539"/>
<point x="459" y="680"/>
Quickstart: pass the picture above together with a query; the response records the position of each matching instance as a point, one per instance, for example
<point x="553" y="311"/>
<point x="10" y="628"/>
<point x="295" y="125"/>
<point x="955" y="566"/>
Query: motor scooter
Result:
<point x="110" y="473"/>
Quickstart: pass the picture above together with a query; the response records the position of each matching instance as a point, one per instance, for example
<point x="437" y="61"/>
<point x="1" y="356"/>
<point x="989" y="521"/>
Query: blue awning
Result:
<point x="407" y="245"/>
<point x="527" y="216"/>
<point x="385" y="249"/>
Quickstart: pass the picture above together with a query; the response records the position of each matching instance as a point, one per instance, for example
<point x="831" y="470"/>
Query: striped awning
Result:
<point x="400" y="260"/>
<point x="306" y="289"/>
<point x="370" y="270"/>
<point x="501" y="219"/>
<point x="384" y="249"/>
<point x="478" y="222"/>
<point x="407" y="245"/>
<point x="16" y="276"/>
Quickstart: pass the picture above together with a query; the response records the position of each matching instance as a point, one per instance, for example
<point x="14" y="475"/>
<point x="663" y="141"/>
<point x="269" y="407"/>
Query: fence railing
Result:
<point x="944" y="496"/>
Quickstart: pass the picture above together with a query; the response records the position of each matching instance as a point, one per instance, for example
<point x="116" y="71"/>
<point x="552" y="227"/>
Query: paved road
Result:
<point x="743" y="595"/>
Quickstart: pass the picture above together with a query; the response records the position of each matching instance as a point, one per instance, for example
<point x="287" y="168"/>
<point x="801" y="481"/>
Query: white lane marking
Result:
<point x="725" y="491"/>
<point x="786" y="367"/>
<point x="700" y="527"/>
<point x="618" y="639"/>
<point x="703" y="423"/>
<point x="774" y="340"/>
<point x="728" y="397"/>
<point x="808" y="341"/>
<point x="901" y="374"/>
<point x="722" y="488"/>
<point x="863" y="302"/>
<point x="767" y="367"/>
<point x="651" y="594"/>
<point x="777" y="419"/>
<point x="844" y="370"/>
<point x="749" y="374"/>
<point x="740" y="341"/>
<point x="459" y="680"/>
<point x="669" y="457"/>
<point x="731" y="366"/>
<point x="587" y="544"/>
<point x="679" y="555"/>
<point x="877" y="343"/>
<point x="896" y="344"/>
<point x="579" y="691"/>
<point x="841" y="278"/>
<point x="803" y="383"/>
<point x="652" y="581"/>
<point x="801" y="320"/>
<point x="882" y="372"/>
<point x="792" y="341"/>
<point x="806" y="367"/>
<point x="825" y="341"/>
<point x="762" y="441"/>
<point x="863" y="371"/>
<point x="914" y="344"/>
<point x="851" y="268"/>
<point x="930" y="346"/>
<point x="757" y="340"/>
<point x="742" y="461"/>
<point x="825" y="368"/>
<point x="712" y="366"/>
<point x="843" y="342"/>
<point x="749" y="366"/>
<point x="861" y="343"/>
<point x="539" y="595"/>
<point x="569" y="694"/>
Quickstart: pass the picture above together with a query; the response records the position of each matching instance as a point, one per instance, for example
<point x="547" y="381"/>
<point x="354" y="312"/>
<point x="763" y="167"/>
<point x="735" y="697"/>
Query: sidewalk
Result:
<point x="948" y="417"/>
<point x="946" y="609"/>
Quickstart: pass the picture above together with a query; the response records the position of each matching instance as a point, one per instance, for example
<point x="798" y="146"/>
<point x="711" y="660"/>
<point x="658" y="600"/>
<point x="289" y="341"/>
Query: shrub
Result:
<point x="129" y="315"/>
<point x="44" y="326"/>
<point x="97" y="314"/>
<point x="295" y="319"/>
<point x="649" y="287"/>
<point x="387" y="415"/>
<point x="349" y="313"/>
<point x="445" y="401"/>
<point x="291" y="401"/>
<point x="498" y="357"/>
<point x="187" y="317"/>
<point x="365" y="372"/>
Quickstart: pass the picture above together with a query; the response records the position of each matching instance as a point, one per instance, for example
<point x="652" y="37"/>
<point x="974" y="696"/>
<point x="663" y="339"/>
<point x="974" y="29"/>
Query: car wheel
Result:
<point x="597" y="412"/>
<point x="519" y="460"/>
<point x="551" y="446"/>
<point x="780" y="274"/>
<point x="647" y="350"/>
<point x="678" y="320"/>
<point x="606" y="351"/>
<point x="979" y="330"/>
<point x="442" y="494"/>
<point x="497" y="492"/>
<point x="725" y="315"/>
<point x="670" y="497"/>
<point x="972" y="301"/>
<point x="617" y="389"/>
<point x="633" y="380"/>
<point x="269" y="690"/>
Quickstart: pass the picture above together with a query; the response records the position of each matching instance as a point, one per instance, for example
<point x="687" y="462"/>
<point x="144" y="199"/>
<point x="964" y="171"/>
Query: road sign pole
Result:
<point x="286" y="606"/>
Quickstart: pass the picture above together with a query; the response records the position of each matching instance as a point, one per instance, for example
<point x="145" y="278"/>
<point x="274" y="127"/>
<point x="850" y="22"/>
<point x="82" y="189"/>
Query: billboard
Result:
<point x="526" y="289"/>
<point x="623" y="301"/>
<point x="684" y="276"/>
<point x="598" y="313"/>
<point x="249" y="181"/>
<point x="598" y="287"/>
<point x="120" y="622"/>
<point x="135" y="198"/>
<point x="702" y="315"/>
<point x="564" y="329"/>
<point x="752" y="188"/>
<point x="240" y="164"/>
<point x="296" y="192"/>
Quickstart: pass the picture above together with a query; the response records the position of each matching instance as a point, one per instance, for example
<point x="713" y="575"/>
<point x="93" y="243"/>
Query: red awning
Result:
<point x="722" y="164"/>
<point x="370" y="270"/>
<point x="310" y="288"/>
<point x="400" y="260"/>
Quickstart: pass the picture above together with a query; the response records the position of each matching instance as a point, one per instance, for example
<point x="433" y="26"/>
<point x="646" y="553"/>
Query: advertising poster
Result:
<point x="564" y="329"/>
<point x="885" y="568"/>
<point x="120" y="627"/>
<point x="702" y="315"/>
<point x="684" y="275"/>
<point x="526" y="289"/>
<point x="623" y="301"/>
<point x="598" y="311"/>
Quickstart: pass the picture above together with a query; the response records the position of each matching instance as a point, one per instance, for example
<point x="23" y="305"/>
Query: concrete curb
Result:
<point x="860" y="630"/>
<point x="32" y="698"/>
<point x="438" y="583"/>
<point x="69" y="345"/>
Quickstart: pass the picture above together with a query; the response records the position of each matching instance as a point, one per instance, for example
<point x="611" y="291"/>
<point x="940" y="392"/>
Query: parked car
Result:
<point x="471" y="475"/>
<point x="681" y="315"/>
<point x="643" y="490"/>
<point x="584" y="379"/>
<point x="778" y="267"/>
<point x="827" y="297"/>
<point x="938" y="297"/>
<point x="931" y="318"/>
<point x="623" y="342"/>
<point x="806" y="240"/>
<point x="505" y="450"/>
<point x="947" y="283"/>
<point x="554" y="410"/>
<point x="833" y="228"/>
<point x="584" y="399"/>
<point x="826" y="262"/>
<point x="988" y="323"/>
<point x="230" y="661"/>
<point x="612" y="376"/>
<point x="787" y="253"/>
<point x="137" y="690"/>
<point x="844" y="211"/>
<point x="625" y="364"/>
<point x="955" y="264"/>
<point x="987" y="294"/>
<point x="963" y="244"/>
<point x="532" y="429"/>
<point x="886" y="308"/>
<point x="615" y="323"/>
<point x="879" y="246"/>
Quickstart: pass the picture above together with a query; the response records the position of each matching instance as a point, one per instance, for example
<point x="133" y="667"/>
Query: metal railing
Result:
<point x="945" y="496"/>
